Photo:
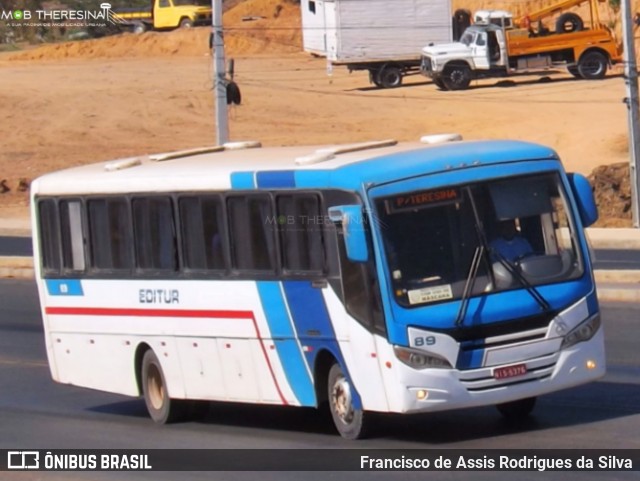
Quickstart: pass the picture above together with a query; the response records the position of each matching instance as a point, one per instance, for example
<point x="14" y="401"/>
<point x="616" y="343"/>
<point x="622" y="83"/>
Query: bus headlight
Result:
<point x="419" y="359"/>
<point x="583" y="332"/>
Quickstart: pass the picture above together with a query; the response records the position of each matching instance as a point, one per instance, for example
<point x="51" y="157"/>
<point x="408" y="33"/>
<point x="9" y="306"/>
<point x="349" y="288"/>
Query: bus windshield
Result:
<point x="521" y="225"/>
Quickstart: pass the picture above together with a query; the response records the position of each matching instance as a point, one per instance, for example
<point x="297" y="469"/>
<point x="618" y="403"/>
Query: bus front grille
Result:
<point x="484" y="379"/>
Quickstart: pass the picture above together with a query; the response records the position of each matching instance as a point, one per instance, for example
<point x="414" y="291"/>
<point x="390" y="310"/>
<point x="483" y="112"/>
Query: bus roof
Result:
<point x="283" y="167"/>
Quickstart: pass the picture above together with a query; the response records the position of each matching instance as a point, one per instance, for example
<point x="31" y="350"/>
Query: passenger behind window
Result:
<point x="510" y="244"/>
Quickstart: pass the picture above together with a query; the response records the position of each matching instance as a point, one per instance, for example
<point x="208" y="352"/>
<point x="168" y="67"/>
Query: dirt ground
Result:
<point x="73" y="104"/>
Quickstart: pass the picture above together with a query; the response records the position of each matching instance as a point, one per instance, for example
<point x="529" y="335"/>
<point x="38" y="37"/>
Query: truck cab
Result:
<point x="482" y="47"/>
<point x="164" y="15"/>
<point x="181" y="13"/>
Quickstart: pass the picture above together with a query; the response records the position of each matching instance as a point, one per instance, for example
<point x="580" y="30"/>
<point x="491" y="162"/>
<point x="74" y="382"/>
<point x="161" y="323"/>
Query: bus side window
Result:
<point x="155" y="238"/>
<point x="110" y="234"/>
<point x="49" y="238"/>
<point x="300" y="228"/>
<point x="72" y="235"/>
<point x="203" y="235"/>
<point x="252" y="232"/>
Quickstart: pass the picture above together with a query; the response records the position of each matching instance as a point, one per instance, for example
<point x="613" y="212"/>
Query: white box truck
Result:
<point x="381" y="36"/>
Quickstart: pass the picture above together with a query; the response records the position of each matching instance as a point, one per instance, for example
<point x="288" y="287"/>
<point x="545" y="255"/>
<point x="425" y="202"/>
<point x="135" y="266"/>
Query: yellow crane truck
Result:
<point x="165" y="15"/>
<point x="499" y="45"/>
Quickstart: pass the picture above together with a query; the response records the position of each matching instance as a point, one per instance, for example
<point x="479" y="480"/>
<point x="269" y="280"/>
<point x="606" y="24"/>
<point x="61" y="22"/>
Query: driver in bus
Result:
<point x="510" y="244"/>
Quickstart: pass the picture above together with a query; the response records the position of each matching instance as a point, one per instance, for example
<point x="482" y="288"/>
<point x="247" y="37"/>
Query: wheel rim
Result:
<point x="593" y="66"/>
<point x="341" y="400"/>
<point x="457" y="77"/>
<point x="391" y="78"/>
<point x="155" y="387"/>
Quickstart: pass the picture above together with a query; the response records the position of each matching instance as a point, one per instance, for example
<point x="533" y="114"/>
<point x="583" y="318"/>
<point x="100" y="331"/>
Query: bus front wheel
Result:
<point x="517" y="410"/>
<point x="161" y="407"/>
<point x="349" y="421"/>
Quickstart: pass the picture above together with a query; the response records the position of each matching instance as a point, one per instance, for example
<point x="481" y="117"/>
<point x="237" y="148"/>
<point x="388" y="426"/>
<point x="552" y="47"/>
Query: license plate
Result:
<point x="510" y="371"/>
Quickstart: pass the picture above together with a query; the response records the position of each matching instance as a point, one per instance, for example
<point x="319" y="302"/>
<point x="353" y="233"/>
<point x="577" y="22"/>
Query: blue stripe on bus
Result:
<point x="313" y="323"/>
<point x="471" y="359"/>
<point x="242" y="180"/>
<point x="64" y="287"/>
<point x="287" y="347"/>
<point x="308" y="313"/>
<point x="276" y="179"/>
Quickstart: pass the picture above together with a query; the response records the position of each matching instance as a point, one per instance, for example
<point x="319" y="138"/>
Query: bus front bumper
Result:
<point x="444" y="389"/>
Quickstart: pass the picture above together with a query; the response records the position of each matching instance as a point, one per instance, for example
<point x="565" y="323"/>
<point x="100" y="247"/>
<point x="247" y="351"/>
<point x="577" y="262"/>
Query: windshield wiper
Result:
<point x="468" y="285"/>
<point x="475" y="264"/>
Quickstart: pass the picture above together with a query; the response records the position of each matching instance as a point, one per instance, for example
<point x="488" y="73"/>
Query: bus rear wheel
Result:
<point x="350" y="422"/>
<point x="517" y="410"/>
<point x="162" y="409"/>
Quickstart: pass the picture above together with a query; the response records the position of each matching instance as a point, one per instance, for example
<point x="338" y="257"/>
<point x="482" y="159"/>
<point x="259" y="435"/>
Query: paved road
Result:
<point x="37" y="413"/>
<point x="605" y="258"/>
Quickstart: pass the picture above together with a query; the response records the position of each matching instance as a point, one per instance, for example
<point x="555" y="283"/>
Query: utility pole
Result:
<point x="219" y="74"/>
<point x="631" y="82"/>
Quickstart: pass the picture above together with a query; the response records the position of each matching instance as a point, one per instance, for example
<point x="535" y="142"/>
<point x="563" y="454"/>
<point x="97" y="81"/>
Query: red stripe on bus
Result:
<point x="188" y="313"/>
<point x="108" y="311"/>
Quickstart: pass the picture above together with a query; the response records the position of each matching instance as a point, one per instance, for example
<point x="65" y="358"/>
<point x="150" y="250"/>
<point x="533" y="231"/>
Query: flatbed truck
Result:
<point x="499" y="45"/>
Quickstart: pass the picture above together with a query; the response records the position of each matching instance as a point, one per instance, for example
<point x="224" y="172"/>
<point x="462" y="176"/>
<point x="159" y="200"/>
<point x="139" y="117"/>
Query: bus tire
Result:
<point x="456" y="77"/>
<point x="162" y="409"/>
<point x="349" y="421"/>
<point x="593" y="65"/>
<point x="569" y="22"/>
<point x="517" y="410"/>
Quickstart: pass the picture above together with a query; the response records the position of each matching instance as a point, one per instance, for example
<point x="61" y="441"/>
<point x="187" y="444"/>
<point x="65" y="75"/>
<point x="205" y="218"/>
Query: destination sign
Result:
<point x="425" y="199"/>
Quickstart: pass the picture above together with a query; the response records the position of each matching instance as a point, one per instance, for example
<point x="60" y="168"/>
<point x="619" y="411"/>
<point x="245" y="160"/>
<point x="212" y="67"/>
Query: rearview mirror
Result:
<point x="354" y="228"/>
<point x="583" y="194"/>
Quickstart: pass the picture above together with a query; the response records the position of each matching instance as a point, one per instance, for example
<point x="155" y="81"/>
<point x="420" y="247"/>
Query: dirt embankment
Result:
<point x="251" y="27"/>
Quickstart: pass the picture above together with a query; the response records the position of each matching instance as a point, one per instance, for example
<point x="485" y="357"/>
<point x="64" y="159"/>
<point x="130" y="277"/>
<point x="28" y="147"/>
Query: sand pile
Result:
<point x="251" y="27"/>
<point x="612" y="190"/>
<point x="273" y="25"/>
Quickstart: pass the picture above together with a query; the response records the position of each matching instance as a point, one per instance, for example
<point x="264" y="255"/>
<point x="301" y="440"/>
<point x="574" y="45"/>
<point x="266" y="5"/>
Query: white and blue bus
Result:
<point x="374" y="277"/>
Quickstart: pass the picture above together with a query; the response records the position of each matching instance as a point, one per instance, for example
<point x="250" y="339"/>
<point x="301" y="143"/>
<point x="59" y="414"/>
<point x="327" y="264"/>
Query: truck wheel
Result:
<point x="439" y="83"/>
<point x="186" y="23"/>
<point x="139" y="28"/>
<point x="349" y="421"/>
<point x="569" y="22"/>
<point x="390" y="77"/>
<point x="574" y="71"/>
<point x="374" y="77"/>
<point x="457" y="77"/>
<point x="593" y="65"/>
